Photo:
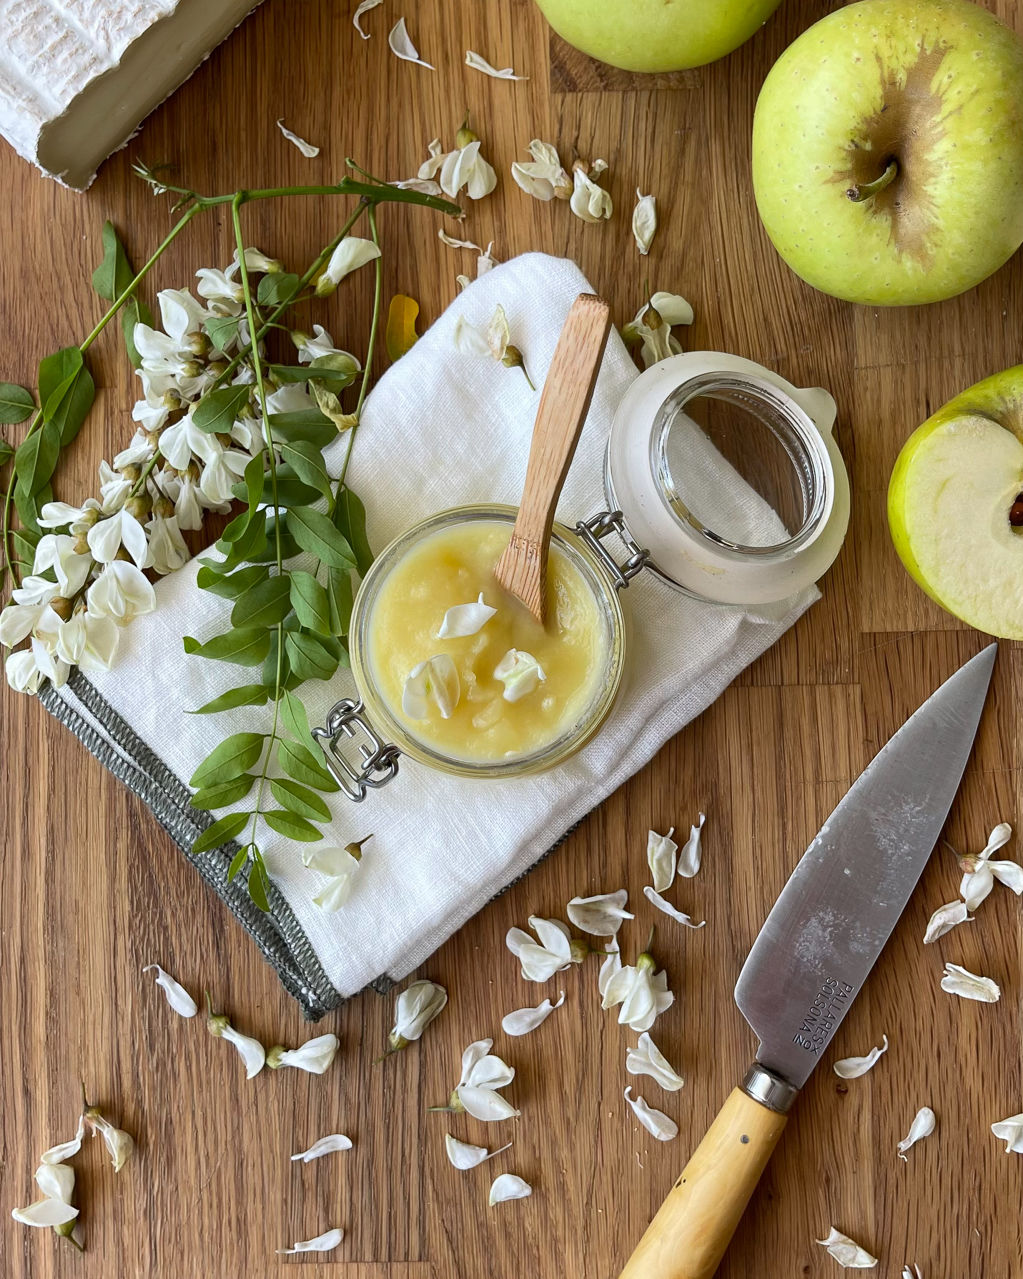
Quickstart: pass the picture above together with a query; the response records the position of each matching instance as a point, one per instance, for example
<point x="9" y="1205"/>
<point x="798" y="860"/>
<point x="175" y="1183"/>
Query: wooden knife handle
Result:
<point x="694" y="1225"/>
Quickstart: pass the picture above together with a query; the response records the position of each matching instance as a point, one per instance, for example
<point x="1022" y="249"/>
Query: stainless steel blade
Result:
<point x="842" y="901"/>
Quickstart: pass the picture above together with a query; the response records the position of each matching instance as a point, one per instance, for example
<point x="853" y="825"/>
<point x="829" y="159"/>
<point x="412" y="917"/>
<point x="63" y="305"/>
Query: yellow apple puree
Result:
<point x="451" y="567"/>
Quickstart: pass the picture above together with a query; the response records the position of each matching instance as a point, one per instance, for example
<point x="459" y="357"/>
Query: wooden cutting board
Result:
<point x="91" y="889"/>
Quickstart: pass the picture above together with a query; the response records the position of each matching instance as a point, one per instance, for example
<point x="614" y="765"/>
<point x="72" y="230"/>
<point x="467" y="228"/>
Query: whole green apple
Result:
<point x="888" y="150"/>
<point x="955" y="505"/>
<point x="657" y="35"/>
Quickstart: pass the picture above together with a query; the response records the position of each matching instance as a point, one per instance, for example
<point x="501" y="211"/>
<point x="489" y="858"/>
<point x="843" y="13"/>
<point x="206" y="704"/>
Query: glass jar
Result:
<point x="721" y="478"/>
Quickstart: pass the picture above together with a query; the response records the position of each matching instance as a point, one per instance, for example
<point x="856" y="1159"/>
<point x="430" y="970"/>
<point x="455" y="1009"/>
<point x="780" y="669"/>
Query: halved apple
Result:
<point x="955" y="505"/>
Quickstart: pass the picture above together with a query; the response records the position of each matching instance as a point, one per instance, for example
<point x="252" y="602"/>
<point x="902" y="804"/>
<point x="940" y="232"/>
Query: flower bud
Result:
<point x="163" y="507"/>
<point x="132" y="472"/>
<point x="62" y="607"/>
<point x="216" y="367"/>
<point x="81" y="545"/>
<point x="171" y="400"/>
<point x="153" y="438"/>
<point x="198" y="343"/>
<point x="325" y="286"/>
<point x="140" y="506"/>
<point x="90" y="517"/>
<point x="465" y="135"/>
<point x="512" y="358"/>
<point x="355" y="848"/>
<point x="192" y="368"/>
<point x="578" y="949"/>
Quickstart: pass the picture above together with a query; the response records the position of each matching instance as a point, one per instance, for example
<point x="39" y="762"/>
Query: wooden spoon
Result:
<point x="522" y="569"/>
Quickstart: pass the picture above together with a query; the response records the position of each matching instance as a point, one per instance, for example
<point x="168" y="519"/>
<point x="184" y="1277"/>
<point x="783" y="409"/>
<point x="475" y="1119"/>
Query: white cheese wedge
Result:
<point x="77" y="77"/>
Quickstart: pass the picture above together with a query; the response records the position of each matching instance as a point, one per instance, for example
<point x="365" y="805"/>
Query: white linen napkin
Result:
<point x="441" y="429"/>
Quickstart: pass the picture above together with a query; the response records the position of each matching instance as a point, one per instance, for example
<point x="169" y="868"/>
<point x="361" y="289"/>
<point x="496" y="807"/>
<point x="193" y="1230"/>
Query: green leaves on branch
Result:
<point x="279" y="286"/>
<point x="218" y="410"/>
<point x="231" y="758"/>
<point x="16" y="403"/>
<point x="111" y="279"/>
<point x="315" y="533"/>
<point x="245" y="646"/>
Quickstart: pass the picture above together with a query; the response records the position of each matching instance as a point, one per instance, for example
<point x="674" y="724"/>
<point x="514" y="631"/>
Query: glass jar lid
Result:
<point x="729" y="476"/>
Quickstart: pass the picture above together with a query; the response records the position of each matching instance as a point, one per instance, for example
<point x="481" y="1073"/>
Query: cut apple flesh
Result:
<point x="949" y="514"/>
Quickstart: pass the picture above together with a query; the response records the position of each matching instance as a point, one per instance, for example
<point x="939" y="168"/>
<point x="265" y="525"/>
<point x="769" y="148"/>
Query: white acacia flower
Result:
<point x="483" y="1074"/>
<point x="349" y="255"/>
<point x="416" y="1007"/>
<point x="107" y="536"/>
<point x="465" y="167"/>
<point x="257" y="261"/>
<point x="524" y="1020"/>
<point x="222" y="473"/>
<point x="508" y="1186"/>
<point x="854" y="1067"/>
<point x="960" y="981"/>
<point x="922" y="1126"/>
<point x="122" y="592"/>
<point x="661" y="853"/>
<point x="152" y="411"/>
<point x="34" y="591"/>
<point x="18" y="621"/>
<point x="66" y="1149"/>
<point x="642" y="993"/>
<point x="554" y="951"/>
<point x="56" y="1181"/>
<point x="176" y="995"/>
<point x="311" y="348"/>
<point x="611" y="965"/>
<point x="543" y="177"/>
<point x="601" y="916"/>
<point x="431" y="684"/>
<point x="326" y="1242"/>
<point x="119" y="1143"/>
<point x="170" y="355"/>
<point x="981" y="872"/>
<point x="647" y="1059"/>
<point x="655" y="1122"/>
<point x="188" y="501"/>
<point x="325" y="1146"/>
<point x="23" y="675"/>
<point x="114" y="488"/>
<point x="251" y="1051"/>
<point x="314" y="1056"/>
<point x="222" y="291"/>
<point x="184" y="440"/>
<point x="167" y="548"/>
<point x="45" y="1212"/>
<point x="690" y="854"/>
<point x="45" y="642"/>
<point x="340" y="866"/>
<point x="521" y="674"/>
<point x="680" y="917"/>
<point x="944" y="919"/>
<point x="463" y="1156"/>
<point x="589" y="201"/>
<point x="138" y="452"/>
<point x="492" y="341"/>
<point x="465" y="619"/>
<point x="847" y="1252"/>
<point x="644" y="221"/>
<point x="1011" y="1132"/>
<point x="652" y="326"/>
<point x="57" y="551"/>
<point x="57" y="515"/>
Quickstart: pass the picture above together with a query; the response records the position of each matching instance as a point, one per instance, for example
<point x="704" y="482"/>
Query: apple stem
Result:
<point x="863" y="191"/>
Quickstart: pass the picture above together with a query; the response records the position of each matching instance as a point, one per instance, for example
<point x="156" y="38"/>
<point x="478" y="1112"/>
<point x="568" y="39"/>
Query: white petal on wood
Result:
<point x="479" y="63"/>
<point x="655" y="1122"/>
<point x="960" y="981"/>
<point x="922" y="1126"/>
<point x="402" y="47"/>
<point x="508" y="1186"/>
<point x="847" y="1252"/>
<point x="463" y="1156"/>
<point x="177" y="996"/>
<point x="655" y="899"/>
<point x="524" y="1020"/>
<point x="307" y="148"/>
<point x="854" y="1067"/>
<point x="325" y="1146"/>
<point x="364" y="7"/>
<point x="322" y="1243"/>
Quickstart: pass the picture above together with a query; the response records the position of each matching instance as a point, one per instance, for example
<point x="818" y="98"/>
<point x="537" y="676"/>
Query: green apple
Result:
<point x="888" y="150"/>
<point x="955" y="505"/>
<point x="657" y="35"/>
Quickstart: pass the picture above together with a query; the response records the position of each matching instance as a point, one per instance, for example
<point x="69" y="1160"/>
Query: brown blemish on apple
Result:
<point x="907" y="128"/>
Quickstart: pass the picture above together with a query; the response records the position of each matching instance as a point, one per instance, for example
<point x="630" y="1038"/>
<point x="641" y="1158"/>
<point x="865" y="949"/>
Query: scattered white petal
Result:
<point x="520" y="673"/>
<point x="544" y="176"/>
<point x="45" y="1212"/>
<point x="56" y="1181"/>
<point x="431" y="683"/>
<point x="945" y="918"/>
<point x="251" y="1051"/>
<point x="689" y="857"/>
<point x="589" y="201"/>
<point x="314" y="1056"/>
<point x="655" y="1122"/>
<point x="915" y="1273"/>
<point x="177" y="996"/>
<point x="981" y="872"/>
<point x="655" y="899"/>
<point x="610" y="966"/>
<point x="922" y="1126"/>
<point x="322" y="1243"/>
<point x="854" y="1067"/>
<point x="524" y="1020"/>
<point x="642" y="993"/>
<point x="423" y="185"/>
<point x="1011" y="1132"/>
<point x="325" y="1146"/>
<point x="508" y="1186"/>
<point x="644" y="221"/>
<point x="600" y="916"/>
<point x="647" y="1059"/>
<point x="452" y="243"/>
<point x="364" y="7"/>
<point x="307" y="148"/>
<point x="846" y="1252"/>
<point x="402" y="46"/>
<point x="672" y="308"/>
<point x="463" y="1156"/>
<point x="119" y="1143"/>
<point x="486" y="261"/>
<point x="67" y="1149"/>
<point x="465" y="619"/>
<point x="661" y="853"/>
<point x="960" y="981"/>
<point x="481" y="64"/>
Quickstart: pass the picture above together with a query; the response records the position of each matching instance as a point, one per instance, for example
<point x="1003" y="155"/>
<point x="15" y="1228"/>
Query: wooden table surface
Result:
<point x="91" y="888"/>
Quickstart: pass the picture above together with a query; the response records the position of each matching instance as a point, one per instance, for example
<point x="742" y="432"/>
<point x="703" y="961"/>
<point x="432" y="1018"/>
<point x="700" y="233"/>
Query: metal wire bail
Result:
<point x="599" y="526"/>
<point x="379" y="758"/>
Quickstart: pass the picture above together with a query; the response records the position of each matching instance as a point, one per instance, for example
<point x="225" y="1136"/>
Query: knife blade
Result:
<point x="811" y="959"/>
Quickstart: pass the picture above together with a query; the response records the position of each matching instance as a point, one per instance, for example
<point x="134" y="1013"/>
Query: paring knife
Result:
<point x="810" y="961"/>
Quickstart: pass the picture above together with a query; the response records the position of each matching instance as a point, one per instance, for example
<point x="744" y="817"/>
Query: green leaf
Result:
<point x="255" y="478"/>
<point x="299" y="799"/>
<point x="340" y="596"/>
<point x="244" y="695"/>
<point x="268" y="554"/>
<point x="311" y="656"/>
<point x="248" y="544"/>
<point x="66" y="391"/>
<point x="237" y="862"/>
<point x="315" y="533"/>
<point x="6" y="452"/>
<point x="309" y="600"/>
<point x="269" y="673"/>
<point x="15" y="403"/>
<point x="307" y="462"/>
<point x="245" y="646"/>
<point x="350" y="519"/>
<point x="292" y="825"/>
<point x="218" y="410"/>
<point x="289" y="491"/>
<point x="296" y="721"/>
<point x="222" y="330"/>
<point x="264" y="604"/>
<point x="223" y="794"/>
<point x="334" y="378"/>
<point x="28" y="506"/>
<point x="222" y="830"/>
<point x="230" y="585"/>
<point x="278" y="286"/>
<point x="259" y="881"/>
<point x="305" y="424"/>
<point x="230" y="759"/>
<point x="35" y="459"/>
<point x="299" y="762"/>
<point x="25" y="543"/>
<point x="114" y="273"/>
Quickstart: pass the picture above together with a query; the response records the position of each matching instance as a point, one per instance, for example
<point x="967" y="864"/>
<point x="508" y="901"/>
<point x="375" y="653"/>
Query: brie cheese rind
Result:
<point x="78" y="77"/>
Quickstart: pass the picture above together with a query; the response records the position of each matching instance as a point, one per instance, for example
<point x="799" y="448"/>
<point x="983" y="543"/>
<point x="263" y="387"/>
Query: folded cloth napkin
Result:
<point x="439" y="429"/>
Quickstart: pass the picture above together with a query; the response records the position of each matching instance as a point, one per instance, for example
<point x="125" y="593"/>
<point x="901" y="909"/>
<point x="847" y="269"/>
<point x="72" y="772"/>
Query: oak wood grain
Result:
<point x="91" y="889"/>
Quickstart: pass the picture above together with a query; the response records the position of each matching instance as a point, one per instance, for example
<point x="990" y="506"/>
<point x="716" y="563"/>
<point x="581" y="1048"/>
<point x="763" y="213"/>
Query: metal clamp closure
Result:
<point x="599" y="526"/>
<point x="379" y="758"/>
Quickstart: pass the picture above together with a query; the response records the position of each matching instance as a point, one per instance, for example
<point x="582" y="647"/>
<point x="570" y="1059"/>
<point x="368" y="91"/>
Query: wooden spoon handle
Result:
<point x="693" y="1227"/>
